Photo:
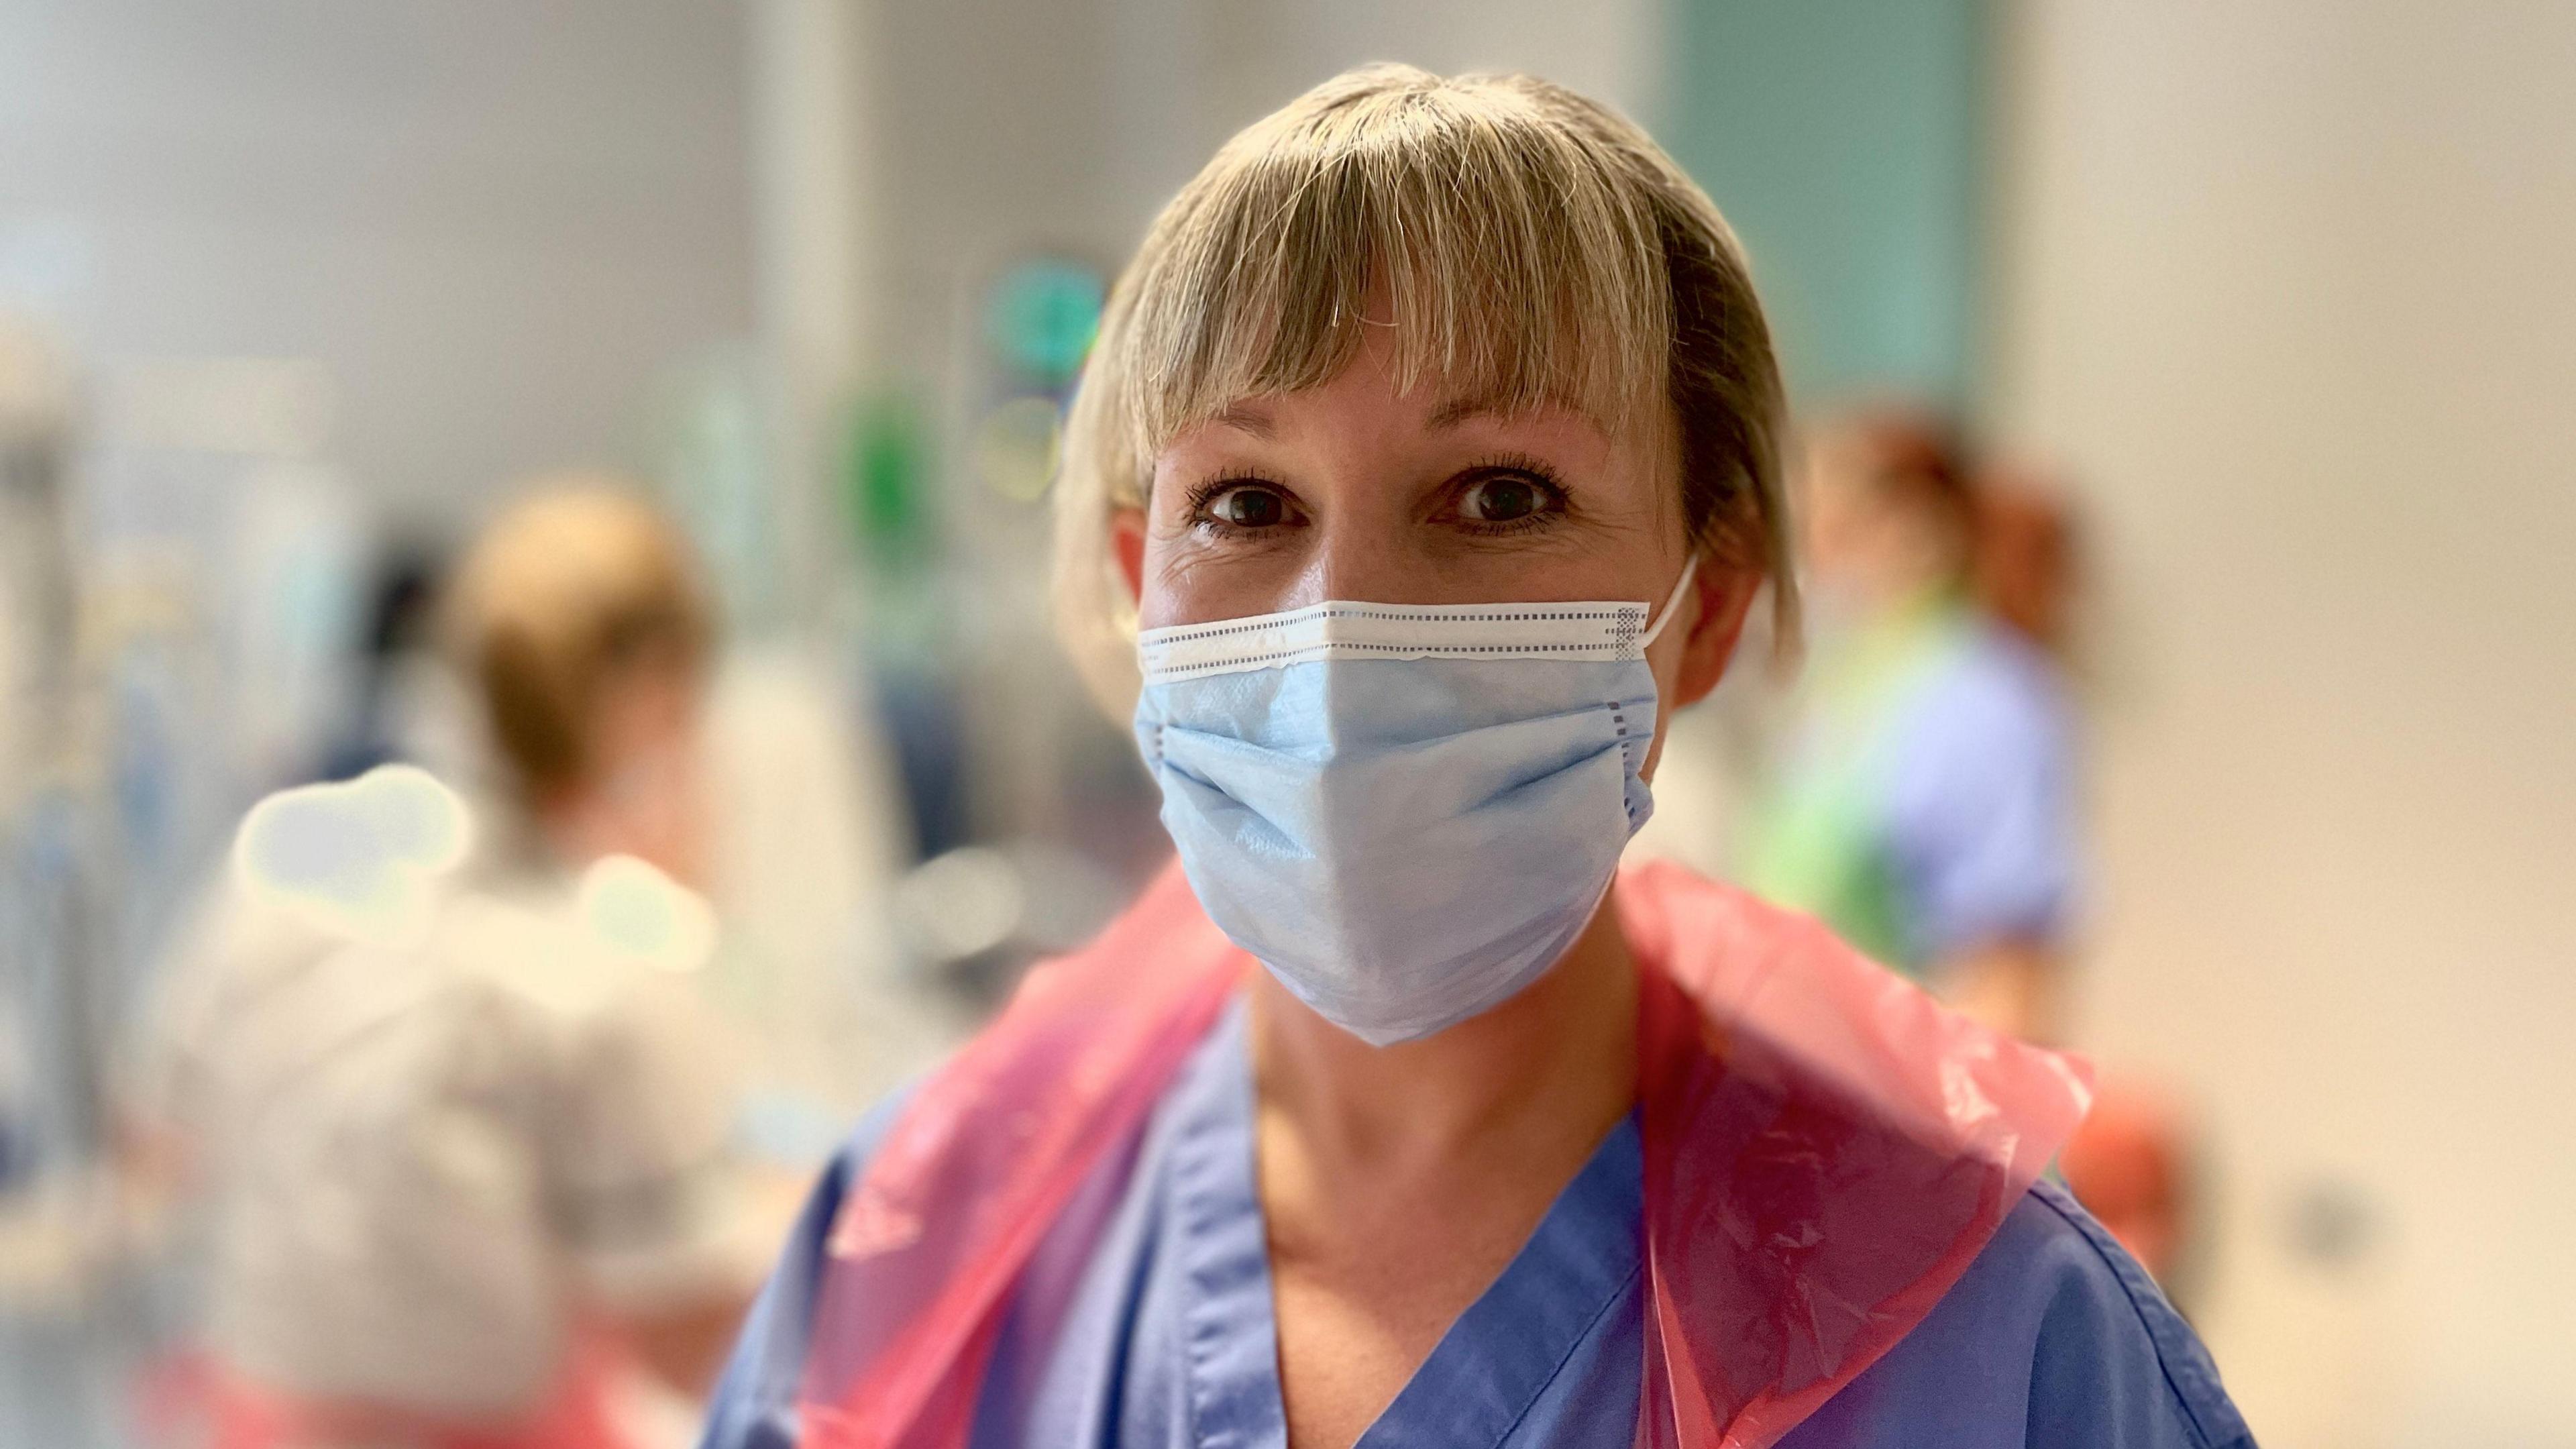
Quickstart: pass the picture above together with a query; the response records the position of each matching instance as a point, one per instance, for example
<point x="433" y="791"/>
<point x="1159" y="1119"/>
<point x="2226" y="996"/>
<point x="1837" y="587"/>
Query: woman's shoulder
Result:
<point x="2104" y="1310"/>
<point x="2057" y="1329"/>
<point x="841" y="1172"/>
<point x="754" y="1406"/>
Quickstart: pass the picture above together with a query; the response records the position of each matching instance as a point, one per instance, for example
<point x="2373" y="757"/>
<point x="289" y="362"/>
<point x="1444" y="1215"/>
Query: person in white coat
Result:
<point x="442" y="1074"/>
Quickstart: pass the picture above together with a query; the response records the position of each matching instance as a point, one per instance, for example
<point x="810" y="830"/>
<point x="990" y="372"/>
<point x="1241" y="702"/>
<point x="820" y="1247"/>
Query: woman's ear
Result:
<point x="1127" y="543"/>
<point x="1725" y="596"/>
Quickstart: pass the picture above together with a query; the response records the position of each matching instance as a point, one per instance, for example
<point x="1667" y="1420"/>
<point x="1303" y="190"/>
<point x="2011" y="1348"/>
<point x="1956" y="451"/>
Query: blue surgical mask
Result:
<point x="1406" y="812"/>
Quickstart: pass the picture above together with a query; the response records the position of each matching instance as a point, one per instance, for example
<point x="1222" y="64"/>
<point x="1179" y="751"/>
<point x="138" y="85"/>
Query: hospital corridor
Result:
<point x="834" y="723"/>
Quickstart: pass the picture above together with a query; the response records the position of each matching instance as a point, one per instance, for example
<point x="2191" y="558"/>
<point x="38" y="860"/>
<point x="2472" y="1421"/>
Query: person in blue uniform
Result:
<point x="1923" y="804"/>
<point x="1426" y="461"/>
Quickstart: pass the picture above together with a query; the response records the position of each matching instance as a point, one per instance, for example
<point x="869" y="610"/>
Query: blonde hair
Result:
<point x="1536" y="248"/>
<point x="569" y="586"/>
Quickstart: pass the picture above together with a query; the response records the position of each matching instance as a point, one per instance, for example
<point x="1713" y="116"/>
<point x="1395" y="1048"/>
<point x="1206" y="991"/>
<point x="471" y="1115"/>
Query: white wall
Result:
<point x="1009" y="127"/>
<point x="1607" y="50"/>
<point x="490" y="221"/>
<point x="2288" y="290"/>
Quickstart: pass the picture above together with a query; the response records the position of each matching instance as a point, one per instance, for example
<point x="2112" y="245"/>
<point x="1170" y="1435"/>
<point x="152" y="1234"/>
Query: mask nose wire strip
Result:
<point x="1672" y="602"/>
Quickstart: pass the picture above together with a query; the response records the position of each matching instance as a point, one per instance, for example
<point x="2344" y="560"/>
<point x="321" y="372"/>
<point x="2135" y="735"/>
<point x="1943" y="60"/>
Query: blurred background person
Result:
<point x="734" y="769"/>
<point x="467" y="1138"/>
<point x="581" y="624"/>
<point x="1920" y="788"/>
<point x="1922" y="799"/>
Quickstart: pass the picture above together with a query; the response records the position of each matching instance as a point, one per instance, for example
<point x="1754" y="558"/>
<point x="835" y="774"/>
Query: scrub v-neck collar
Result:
<point x="1490" y="1365"/>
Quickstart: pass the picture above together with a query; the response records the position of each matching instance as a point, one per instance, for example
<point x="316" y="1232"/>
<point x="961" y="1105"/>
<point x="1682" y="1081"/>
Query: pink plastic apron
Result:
<point x="1826" y="1150"/>
<point x="197" y="1400"/>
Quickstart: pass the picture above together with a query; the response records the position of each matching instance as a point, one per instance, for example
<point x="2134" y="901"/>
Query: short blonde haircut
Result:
<point x="1537" y="249"/>
<point x="569" y="586"/>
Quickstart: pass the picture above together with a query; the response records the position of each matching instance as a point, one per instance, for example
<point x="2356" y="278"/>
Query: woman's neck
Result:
<point x="1396" y="1183"/>
<point x="1552" y="1068"/>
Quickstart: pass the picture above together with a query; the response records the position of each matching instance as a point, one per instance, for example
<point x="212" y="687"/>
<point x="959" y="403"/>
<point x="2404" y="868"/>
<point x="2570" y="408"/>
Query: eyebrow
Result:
<point x="1253" y="418"/>
<point x="1247" y="417"/>
<point x="1458" y="410"/>
<point x="1464" y="409"/>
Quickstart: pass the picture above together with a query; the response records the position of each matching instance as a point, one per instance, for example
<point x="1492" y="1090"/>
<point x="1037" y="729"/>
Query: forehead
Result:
<point x="1269" y="416"/>
<point x="1378" y="388"/>
<point x="1391" y="429"/>
<point x="1395" y="369"/>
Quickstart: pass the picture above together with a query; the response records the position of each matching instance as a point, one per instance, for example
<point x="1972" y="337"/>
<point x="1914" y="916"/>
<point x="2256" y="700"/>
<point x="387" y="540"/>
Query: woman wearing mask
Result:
<point x="1428" y="449"/>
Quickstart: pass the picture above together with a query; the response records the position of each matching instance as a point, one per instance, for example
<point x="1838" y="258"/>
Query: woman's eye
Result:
<point x="1505" y="498"/>
<point x="1246" y="506"/>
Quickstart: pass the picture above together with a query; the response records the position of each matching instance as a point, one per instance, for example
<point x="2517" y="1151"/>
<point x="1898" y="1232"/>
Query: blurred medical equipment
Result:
<point x="38" y="947"/>
<point x="396" y="672"/>
<point x="805" y="852"/>
<point x="68" y="802"/>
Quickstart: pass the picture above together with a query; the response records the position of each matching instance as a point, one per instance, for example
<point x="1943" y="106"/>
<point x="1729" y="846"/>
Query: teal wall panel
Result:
<point x="1845" y="140"/>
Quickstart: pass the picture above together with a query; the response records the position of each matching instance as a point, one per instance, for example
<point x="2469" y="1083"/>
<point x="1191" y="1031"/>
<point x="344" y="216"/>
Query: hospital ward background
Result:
<point x="2186" y="463"/>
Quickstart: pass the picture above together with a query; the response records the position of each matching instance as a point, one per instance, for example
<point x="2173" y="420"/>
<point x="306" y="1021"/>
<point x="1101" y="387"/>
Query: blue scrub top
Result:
<point x="1925" y="806"/>
<point x="1979" y="805"/>
<point x="1162" y="1334"/>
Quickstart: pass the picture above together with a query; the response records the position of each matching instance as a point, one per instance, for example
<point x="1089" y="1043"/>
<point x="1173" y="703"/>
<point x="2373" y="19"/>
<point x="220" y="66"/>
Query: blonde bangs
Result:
<point x="1516" y="270"/>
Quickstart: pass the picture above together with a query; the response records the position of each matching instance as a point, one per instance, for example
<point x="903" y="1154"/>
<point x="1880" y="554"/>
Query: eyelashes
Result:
<point x="1495" y="496"/>
<point x="1535" y="467"/>
<point x="1196" y="499"/>
<point x="1489" y="485"/>
<point x="1267" y="499"/>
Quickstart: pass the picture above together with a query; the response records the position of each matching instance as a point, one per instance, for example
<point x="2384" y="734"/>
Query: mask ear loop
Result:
<point x="1672" y="603"/>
